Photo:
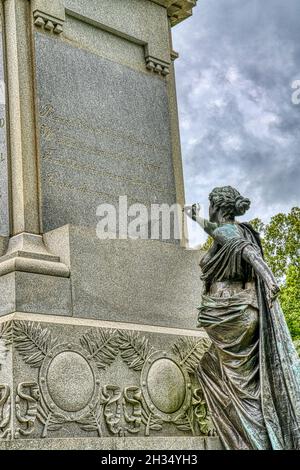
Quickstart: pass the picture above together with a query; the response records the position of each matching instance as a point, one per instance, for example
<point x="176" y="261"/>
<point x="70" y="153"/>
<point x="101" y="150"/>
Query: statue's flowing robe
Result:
<point x="251" y="374"/>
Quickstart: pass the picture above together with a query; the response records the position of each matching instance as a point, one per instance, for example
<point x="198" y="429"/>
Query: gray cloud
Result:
<point x="238" y="59"/>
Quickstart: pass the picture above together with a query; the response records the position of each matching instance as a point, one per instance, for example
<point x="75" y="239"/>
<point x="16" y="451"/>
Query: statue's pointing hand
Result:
<point x="192" y="211"/>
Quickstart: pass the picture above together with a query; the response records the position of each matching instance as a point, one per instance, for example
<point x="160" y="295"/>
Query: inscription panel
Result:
<point x="104" y="133"/>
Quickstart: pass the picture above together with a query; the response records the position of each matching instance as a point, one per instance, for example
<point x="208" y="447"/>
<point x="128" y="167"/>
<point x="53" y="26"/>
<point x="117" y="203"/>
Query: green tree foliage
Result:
<point x="297" y="344"/>
<point x="290" y="301"/>
<point x="281" y="243"/>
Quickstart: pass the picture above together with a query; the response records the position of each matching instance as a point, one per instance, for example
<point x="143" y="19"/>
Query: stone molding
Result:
<point x="157" y="66"/>
<point x="178" y="10"/>
<point x="104" y="324"/>
<point x="117" y="443"/>
<point x="44" y="20"/>
<point x="49" y="15"/>
<point x="27" y="252"/>
<point x="174" y="55"/>
<point x="47" y="22"/>
<point x="156" y="58"/>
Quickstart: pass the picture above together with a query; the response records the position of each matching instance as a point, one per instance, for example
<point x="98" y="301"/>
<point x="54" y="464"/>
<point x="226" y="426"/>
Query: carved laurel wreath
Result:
<point x="102" y="346"/>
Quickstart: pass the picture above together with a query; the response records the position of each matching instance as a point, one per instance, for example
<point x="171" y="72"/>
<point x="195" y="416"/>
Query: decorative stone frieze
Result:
<point x="107" y="382"/>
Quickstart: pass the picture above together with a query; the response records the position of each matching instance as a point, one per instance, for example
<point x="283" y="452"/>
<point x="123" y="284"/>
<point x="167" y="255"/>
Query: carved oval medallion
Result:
<point x="166" y="385"/>
<point x="70" y="381"/>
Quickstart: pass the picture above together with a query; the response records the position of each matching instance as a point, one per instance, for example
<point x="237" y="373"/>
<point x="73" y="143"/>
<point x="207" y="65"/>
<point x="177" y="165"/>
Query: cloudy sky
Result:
<point x="238" y="60"/>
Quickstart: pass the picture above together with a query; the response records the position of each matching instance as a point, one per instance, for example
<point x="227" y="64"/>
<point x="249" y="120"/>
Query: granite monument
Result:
<point x="98" y="338"/>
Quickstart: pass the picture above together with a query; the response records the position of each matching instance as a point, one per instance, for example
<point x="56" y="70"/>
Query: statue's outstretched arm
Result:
<point x="207" y="226"/>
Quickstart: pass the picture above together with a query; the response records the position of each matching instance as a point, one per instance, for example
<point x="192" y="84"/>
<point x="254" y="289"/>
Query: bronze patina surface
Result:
<point x="251" y="374"/>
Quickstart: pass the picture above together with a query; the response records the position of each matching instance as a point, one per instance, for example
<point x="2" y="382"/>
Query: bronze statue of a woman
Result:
<point x="251" y="374"/>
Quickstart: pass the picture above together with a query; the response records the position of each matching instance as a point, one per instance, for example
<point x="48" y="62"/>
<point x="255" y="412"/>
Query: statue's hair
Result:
<point x="229" y="200"/>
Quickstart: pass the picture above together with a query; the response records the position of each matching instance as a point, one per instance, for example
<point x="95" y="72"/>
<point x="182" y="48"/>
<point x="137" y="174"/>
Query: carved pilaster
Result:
<point x="26" y="250"/>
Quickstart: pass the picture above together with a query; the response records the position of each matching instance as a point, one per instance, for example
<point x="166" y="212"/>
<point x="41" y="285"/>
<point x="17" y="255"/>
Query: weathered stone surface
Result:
<point x="105" y="44"/>
<point x="111" y="279"/>
<point x="140" y="21"/>
<point x="166" y="385"/>
<point x="37" y="293"/>
<point x="70" y="381"/>
<point x="3" y="244"/>
<point x="8" y="297"/>
<point x="213" y="443"/>
<point x="129" y="443"/>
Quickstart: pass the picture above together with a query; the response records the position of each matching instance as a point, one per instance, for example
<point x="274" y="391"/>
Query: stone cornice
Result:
<point x="178" y="10"/>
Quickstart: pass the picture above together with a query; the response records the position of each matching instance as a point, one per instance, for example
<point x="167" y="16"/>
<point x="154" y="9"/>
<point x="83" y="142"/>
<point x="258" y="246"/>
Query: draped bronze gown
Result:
<point x="251" y="374"/>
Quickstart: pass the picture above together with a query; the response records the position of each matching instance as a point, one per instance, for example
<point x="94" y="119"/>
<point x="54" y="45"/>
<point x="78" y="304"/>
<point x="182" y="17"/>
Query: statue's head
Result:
<point x="226" y="203"/>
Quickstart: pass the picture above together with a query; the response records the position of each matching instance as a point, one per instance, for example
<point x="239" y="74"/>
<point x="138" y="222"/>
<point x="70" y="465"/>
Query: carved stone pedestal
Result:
<point x="88" y="384"/>
<point x="116" y="370"/>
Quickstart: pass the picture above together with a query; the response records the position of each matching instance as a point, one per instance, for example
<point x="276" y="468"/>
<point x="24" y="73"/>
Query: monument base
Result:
<point x="99" y="360"/>
<point x="86" y="384"/>
<point x="142" y="443"/>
